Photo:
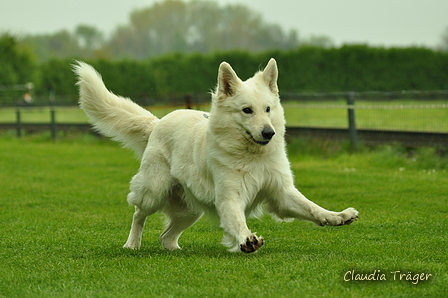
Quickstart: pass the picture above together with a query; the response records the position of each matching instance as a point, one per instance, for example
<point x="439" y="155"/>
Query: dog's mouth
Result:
<point x="263" y="143"/>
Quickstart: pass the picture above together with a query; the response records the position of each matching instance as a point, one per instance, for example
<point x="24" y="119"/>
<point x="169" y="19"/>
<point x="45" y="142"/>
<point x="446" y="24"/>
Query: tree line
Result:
<point x="175" y="26"/>
<point x="306" y="68"/>
<point x="170" y="26"/>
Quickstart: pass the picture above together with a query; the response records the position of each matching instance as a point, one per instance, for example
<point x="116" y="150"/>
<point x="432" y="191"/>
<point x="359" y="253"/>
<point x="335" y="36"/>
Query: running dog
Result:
<point x="228" y="163"/>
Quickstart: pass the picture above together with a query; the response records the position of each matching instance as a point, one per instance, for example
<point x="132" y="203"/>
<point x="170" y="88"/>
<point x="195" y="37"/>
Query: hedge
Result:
<point x="350" y="67"/>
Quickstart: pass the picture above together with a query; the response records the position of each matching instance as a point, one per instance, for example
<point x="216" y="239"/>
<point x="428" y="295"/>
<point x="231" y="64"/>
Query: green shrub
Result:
<point x="308" y="68"/>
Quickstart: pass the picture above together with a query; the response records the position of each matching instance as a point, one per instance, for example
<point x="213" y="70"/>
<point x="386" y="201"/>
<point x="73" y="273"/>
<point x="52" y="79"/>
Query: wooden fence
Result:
<point x="350" y="132"/>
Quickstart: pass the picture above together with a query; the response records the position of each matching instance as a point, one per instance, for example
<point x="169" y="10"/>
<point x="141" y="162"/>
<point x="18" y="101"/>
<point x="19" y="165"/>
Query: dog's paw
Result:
<point x="169" y="244"/>
<point x="348" y="216"/>
<point x="131" y="245"/>
<point x="342" y="218"/>
<point x="253" y="243"/>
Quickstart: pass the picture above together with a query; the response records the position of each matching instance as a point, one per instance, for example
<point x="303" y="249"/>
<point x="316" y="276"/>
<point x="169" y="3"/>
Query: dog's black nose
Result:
<point x="267" y="133"/>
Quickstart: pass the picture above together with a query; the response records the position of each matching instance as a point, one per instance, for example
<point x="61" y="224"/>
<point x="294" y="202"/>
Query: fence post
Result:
<point x="52" y="115"/>
<point x="351" y="119"/>
<point x="18" y="123"/>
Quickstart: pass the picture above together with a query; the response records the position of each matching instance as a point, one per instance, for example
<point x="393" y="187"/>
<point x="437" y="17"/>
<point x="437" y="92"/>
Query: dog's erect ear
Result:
<point x="270" y="75"/>
<point x="228" y="81"/>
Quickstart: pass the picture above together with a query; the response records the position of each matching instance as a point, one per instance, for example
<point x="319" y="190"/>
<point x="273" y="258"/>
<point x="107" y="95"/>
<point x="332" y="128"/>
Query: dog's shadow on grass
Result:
<point x="190" y="250"/>
<point x="154" y="250"/>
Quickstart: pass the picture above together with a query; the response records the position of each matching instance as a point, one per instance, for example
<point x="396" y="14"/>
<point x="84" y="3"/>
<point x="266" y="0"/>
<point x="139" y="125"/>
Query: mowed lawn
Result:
<point x="64" y="219"/>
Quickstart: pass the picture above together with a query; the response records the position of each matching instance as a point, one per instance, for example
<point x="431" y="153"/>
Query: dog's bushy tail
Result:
<point x="112" y="115"/>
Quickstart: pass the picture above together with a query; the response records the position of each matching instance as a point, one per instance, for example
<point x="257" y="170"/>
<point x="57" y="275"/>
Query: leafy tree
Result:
<point x="17" y="65"/>
<point x="85" y="42"/>
<point x="89" y="37"/>
<point x="197" y="26"/>
<point x="57" y="45"/>
<point x="444" y="43"/>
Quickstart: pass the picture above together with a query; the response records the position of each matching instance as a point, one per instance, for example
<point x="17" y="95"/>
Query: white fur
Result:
<point x="226" y="164"/>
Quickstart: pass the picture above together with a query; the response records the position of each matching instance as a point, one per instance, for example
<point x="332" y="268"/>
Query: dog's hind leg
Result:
<point x="177" y="224"/>
<point x="180" y="218"/>
<point x="149" y="190"/>
<point x="135" y="235"/>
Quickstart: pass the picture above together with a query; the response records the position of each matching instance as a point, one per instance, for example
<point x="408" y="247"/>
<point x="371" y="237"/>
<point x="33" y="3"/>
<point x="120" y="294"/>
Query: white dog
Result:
<point x="227" y="163"/>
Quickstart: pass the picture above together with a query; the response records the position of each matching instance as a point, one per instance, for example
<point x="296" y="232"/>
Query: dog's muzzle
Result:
<point x="267" y="135"/>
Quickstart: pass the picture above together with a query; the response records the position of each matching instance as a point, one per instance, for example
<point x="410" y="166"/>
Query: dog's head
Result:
<point x="251" y="106"/>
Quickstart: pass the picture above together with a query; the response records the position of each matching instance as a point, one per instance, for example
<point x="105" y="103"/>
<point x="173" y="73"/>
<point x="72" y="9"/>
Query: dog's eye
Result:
<point x="268" y="109"/>
<point x="247" y="111"/>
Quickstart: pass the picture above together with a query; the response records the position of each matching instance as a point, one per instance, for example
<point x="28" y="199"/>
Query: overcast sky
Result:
<point x="376" y="22"/>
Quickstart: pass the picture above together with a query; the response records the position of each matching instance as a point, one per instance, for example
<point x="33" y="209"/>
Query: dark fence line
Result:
<point x="351" y="133"/>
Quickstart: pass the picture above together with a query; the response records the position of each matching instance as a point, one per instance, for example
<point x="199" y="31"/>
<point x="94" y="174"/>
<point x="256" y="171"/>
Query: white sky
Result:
<point x="376" y="22"/>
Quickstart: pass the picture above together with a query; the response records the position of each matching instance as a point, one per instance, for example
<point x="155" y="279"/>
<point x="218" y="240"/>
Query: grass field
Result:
<point x="64" y="218"/>
<point x="397" y="115"/>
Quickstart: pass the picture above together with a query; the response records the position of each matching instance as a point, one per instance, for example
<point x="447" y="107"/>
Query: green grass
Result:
<point x="64" y="218"/>
<point x="328" y="114"/>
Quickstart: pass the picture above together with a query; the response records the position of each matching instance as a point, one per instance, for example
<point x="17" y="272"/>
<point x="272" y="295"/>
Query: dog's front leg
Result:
<point x="292" y="204"/>
<point x="230" y="208"/>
